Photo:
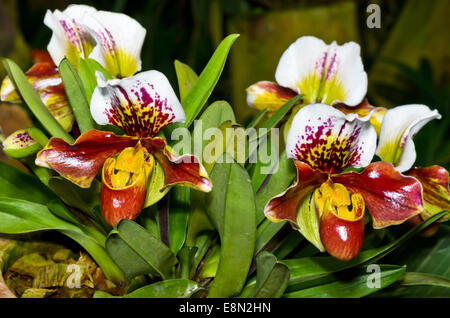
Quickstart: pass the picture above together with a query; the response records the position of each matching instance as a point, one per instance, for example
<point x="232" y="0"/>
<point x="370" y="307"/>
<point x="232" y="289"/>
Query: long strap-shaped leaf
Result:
<point x="197" y="97"/>
<point x="76" y="95"/>
<point x="138" y="252"/>
<point x="231" y="207"/>
<point x="308" y="268"/>
<point x="357" y="286"/>
<point x="19" y="216"/>
<point x="34" y="102"/>
<point x="272" y="122"/>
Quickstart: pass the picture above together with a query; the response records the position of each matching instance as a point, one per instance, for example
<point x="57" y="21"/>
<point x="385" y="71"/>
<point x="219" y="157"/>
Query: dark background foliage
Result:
<point x="407" y="59"/>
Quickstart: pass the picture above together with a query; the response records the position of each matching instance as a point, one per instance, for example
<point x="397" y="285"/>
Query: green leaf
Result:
<point x="197" y="97"/>
<point x="198" y="219"/>
<point x="76" y="95"/>
<point x="58" y="209"/>
<point x="15" y="183"/>
<point x="178" y="217"/>
<point x="355" y="287"/>
<point x="289" y="244"/>
<point x="172" y="288"/>
<point x="19" y="216"/>
<point x="423" y="255"/>
<point x="271" y="277"/>
<point x="266" y="231"/>
<point x="310" y="268"/>
<point x="255" y="121"/>
<point x="423" y="279"/>
<point x="186" y="257"/>
<point x="83" y="199"/>
<point x="266" y="186"/>
<point x="210" y="264"/>
<point x="34" y="102"/>
<point x="273" y="121"/>
<point x="140" y="247"/>
<point x="186" y="78"/>
<point x="131" y="263"/>
<point x="231" y="208"/>
<point x="216" y="115"/>
<point x="86" y="71"/>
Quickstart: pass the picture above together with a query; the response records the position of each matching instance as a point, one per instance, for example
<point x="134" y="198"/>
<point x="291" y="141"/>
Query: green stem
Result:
<point x="42" y="173"/>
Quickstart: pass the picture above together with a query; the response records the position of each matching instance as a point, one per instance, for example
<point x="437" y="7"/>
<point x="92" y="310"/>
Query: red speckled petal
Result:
<point x="285" y="205"/>
<point x="436" y="194"/>
<point x="390" y="197"/>
<point x="140" y="105"/>
<point x="185" y="170"/>
<point x="81" y="161"/>
<point x="330" y="141"/>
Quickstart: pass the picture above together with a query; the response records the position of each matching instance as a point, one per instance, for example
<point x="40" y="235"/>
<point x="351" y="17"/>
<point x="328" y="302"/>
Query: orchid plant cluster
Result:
<point x="332" y="138"/>
<point x="109" y="125"/>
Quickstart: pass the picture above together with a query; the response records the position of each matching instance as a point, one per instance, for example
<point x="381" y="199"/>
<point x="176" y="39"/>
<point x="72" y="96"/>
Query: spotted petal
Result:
<point x="329" y="140"/>
<point x="119" y="41"/>
<point x="399" y="126"/>
<point x="269" y="95"/>
<point x="436" y="193"/>
<point x="69" y="39"/>
<point x="45" y="80"/>
<point x="324" y="73"/>
<point x="81" y="161"/>
<point x="390" y="197"/>
<point x="140" y="105"/>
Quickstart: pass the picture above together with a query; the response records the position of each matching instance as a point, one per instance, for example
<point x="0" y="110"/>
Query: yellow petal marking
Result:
<point x="342" y="203"/>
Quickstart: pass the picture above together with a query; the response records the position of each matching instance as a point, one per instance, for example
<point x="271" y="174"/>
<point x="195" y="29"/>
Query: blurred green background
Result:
<point x="407" y="59"/>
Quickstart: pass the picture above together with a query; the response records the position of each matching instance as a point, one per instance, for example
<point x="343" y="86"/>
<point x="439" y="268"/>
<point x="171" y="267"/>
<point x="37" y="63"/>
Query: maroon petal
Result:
<point x="285" y="205"/>
<point x="185" y="170"/>
<point x="390" y="197"/>
<point x="436" y="193"/>
<point x="81" y="161"/>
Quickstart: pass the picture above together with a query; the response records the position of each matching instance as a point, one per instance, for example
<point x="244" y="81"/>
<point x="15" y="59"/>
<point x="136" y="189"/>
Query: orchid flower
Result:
<point x="400" y="124"/>
<point x="326" y="203"/>
<point x="45" y="80"/>
<point x="328" y="74"/>
<point x="141" y="105"/>
<point x="113" y="39"/>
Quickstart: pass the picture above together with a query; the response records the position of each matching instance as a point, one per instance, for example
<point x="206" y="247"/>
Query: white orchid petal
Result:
<point x="119" y="41"/>
<point x="329" y="140"/>
<point x="69" y="38"/>
<point x="141" y="105"/>
<point x="399" y="126"/>
<point x="324" y="73"/>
